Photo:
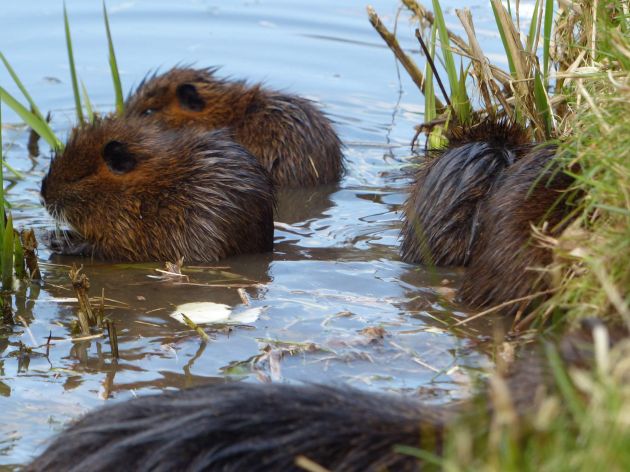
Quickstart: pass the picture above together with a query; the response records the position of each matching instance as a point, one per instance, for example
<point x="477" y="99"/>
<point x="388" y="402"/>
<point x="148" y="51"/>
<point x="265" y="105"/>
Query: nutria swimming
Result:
<point x="134" y="191"/>
<point x="289" y="135"/>
<point x="474" y="205"/>
<point x="260" y="427"/>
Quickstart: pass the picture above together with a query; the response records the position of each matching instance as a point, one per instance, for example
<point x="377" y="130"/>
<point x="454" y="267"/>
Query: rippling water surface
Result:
<point x="335" y="269"/>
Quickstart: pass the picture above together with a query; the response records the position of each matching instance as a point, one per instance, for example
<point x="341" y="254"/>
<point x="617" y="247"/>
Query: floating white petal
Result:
<point x="209" y="313"/>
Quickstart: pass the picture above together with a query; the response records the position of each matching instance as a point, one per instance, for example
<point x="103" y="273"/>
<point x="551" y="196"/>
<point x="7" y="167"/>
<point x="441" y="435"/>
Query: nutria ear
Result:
<point x="189" y="97"/>
<point x="118" y="158"/>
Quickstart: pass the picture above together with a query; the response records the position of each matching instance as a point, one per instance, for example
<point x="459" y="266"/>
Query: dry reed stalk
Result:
<point x="113" y="338"/>
<point x="412" y="69"/>
<point x="29" y="243"/>
<point x="81" y="285"/>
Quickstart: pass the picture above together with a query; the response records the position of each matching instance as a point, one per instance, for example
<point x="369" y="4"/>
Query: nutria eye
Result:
<point x="118" y="158"/>
<point x="189" y="97"/>
<point x="148" y="111"/>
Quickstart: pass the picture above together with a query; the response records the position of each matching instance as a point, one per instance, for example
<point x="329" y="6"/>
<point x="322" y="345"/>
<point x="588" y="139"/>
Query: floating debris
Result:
<point x="215" y="313"/>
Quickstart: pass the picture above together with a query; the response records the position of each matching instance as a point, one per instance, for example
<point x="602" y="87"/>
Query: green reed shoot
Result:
<point x="113" y="65"/>
<point x="459" y="95"/>
<point x="547" y="40"/>
<point x="89" y="109"/>
<point x="33" y="118"/>
<point x="21" y="86"/>
<point x="39" y="125"/>
<point x="73" y="72"/>
<point x="6" y="259"/>
<point x="430" y="111"/>
<point x="1" y="171"/>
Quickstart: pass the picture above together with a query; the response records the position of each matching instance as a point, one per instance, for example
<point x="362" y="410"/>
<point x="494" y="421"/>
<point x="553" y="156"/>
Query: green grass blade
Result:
<point x="423" y="455"/>
<point x="73" y="72"/>
<point x="547" y="39"/>
<point x="542" y="104"/>
<point x="449" y="62"/>
<point x="7" y="255"/>
<point x="113" y="65"/>
<point x="533" y="29"/>
<point x="16" y="173"/>
<point x="463" y="107"/>
<point x="89" y="110"/>
<point x="1" y="173"/>
<point x="18" y="259"/>
<point x="39" y="126"/>
<point x="566" y="388"/>
<point x="20" y="85"/>
<point x="504" y="40"/>
<point x="430" y="111"/>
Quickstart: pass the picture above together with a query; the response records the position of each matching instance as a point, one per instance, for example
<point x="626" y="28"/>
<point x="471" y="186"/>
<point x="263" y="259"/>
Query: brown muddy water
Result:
<point x="335" y="270"/>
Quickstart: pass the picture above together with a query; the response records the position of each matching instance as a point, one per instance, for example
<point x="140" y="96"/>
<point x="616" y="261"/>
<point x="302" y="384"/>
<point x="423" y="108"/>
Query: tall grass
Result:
<point x="584" y="48"/>
<point x="521" y="92"/>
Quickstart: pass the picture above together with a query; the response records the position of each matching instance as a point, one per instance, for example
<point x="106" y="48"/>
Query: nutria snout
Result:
<point x="474" y="205"/>
<point x="289" y="135"/>
<point x="137" y="192"/>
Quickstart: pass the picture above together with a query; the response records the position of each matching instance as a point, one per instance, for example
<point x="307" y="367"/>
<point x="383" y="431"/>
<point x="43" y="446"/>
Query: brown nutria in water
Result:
<point x="289" y="135"/>
<point x="474" y="205"/>
<point x="260" y="427"/>
<point x="137" y="192"/>
<point x="508" y="262"/>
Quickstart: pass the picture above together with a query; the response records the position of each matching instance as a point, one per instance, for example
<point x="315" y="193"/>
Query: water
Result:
<point x="335" y="269"/>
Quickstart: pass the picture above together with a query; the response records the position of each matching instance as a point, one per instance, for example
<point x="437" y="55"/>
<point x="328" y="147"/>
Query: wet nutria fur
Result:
<point x="289" y="135"/>
<point x="261" y="427"/>
<point x="252" y="427"/>
<point x="136" y="192"/>
<point x="508" y="262"/>
<point x="442" y="213"/>
<point x="474" y="205"/>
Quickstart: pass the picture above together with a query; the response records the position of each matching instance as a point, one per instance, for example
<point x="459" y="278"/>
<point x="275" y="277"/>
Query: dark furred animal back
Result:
<point x="249" y="427"/>
<point x="508" y="262"/>
<point x="441" y="216"/>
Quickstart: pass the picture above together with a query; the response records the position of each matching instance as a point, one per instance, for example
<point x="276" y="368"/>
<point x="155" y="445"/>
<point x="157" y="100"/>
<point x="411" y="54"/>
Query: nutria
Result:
<point x="441" y="215"/>
<point x="508" y="262"/>
<point x="289" y="135"/>
<point x="261" y="427"/>
<point x="474" y="205"/>
<point x="137" y="192"/>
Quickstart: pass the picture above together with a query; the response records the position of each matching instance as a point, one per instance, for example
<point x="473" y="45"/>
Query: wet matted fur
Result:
<point x="138" y="192"/>
<point x="289" y="135"/>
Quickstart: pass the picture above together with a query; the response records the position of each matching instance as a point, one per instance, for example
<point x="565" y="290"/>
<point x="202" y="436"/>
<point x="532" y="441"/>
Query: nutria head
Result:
<point x="289" y="135"/>
<point x="183" y="96"/>
<point x="139" y="192"/>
